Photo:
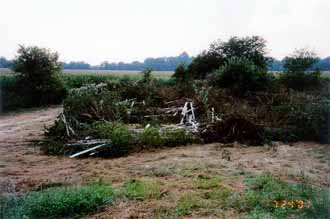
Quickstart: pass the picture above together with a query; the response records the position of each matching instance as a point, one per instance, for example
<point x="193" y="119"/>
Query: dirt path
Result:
<point x="23" y="167"/>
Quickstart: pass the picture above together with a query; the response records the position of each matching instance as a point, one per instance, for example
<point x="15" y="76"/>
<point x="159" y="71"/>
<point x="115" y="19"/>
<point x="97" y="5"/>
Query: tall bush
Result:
<point x="38" y="71"/>
<point x="242" y="75"/>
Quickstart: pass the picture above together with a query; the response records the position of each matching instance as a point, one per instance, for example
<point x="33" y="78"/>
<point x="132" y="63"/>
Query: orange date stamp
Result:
<point x="293" y="204"/>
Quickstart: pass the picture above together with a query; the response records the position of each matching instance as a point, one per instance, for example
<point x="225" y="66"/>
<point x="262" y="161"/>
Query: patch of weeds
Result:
<point x="140" y="190"/>
<point x="165" y="213"/>
<point x="177" y="137"/>
<point x="263" y="192"/>
<point x="154" y="137"/>
<point x="206" y="182"/>
<point x="151" y="137"/>
<point x="101" y="130"/>
<point x="219" y="195"/>
<point x="320" y="200"/>
<point x="60" y="202"/>
<point x="186" y="173"/>
<point x="187" y="203"/>
<point x="10" y="208"/>
<point x="52" y="146"/>
<point x="122" y="141"/>
<point x="162" y="171"/>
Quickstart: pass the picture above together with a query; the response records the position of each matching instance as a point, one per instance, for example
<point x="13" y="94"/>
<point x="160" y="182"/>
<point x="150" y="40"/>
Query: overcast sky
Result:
<point x="127" y="30"/>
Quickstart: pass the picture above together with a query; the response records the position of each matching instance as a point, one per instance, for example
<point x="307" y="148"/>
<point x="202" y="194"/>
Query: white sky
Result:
<point x="127" y="30"/>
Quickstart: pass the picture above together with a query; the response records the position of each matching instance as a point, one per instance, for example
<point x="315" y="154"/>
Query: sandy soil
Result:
<point x="23" y="167"/>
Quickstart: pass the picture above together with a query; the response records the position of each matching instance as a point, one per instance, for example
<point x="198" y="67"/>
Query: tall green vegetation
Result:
<point x="252" y="49"/>
<point x="181" y="74"/>
<point x="298" y="70"/>
<point x="242" y="75"/>
<point x="37" y="80"/>
<point x="38" y="69"/>
<point x="58" y="202"/>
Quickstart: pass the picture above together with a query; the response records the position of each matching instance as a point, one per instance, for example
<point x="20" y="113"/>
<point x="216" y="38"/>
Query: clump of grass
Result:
<point x="187" y="203"/>
<point x="206" y="182"/>
<point x="141" y="190"/>
<point x="60" y="202"/>
<point x="220" y="194"/>
<point x="262" y="192"/>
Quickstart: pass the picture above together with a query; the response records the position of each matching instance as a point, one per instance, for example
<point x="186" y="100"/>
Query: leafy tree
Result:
<point x="38" y="72"/>
<point x="181" y="75"/>
<point x="252" y="49"/>
<point x="204" y="64"/>
<point x="298" y="70"/>
<point x="242" y="75"/>
<point x="301" y="61"/>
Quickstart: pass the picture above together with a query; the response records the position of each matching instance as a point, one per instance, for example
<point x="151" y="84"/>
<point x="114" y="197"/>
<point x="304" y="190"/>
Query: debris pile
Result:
<point x="100" y="120"/>
<point x="233" y="128"/>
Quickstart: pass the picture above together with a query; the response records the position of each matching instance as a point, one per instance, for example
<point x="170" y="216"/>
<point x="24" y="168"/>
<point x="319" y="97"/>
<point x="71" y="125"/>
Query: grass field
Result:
<point x="158" y="74"/>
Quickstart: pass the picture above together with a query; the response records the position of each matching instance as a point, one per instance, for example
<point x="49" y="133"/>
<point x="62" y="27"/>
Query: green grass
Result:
<point x="5" y="71"/>
<point x="115" y="73"/>
<point x="205" y="182"/>
<point x="187" y="203"/>
<point x="326" y="74"/>
<point x="140" y="190"/>
<point x="262" y="193"/>
<point x="59" y="202"/>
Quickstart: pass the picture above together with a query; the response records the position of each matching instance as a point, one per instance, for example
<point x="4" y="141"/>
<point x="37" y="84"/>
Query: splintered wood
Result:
<point x="188" y="117"/>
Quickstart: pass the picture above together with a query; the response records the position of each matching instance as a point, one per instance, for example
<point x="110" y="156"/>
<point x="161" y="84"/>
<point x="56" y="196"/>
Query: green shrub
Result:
<point x="151" y="137"/>
<point x="177" y="137"/>
<point x="154" y="137"/>
<point x="181" y="75"/>
<point x="122" y="141"/>
<point x="63" y="202"/>
<point x="307" y="117"/>
<point x="241" y="75"/>
<point x="53" y="146"/>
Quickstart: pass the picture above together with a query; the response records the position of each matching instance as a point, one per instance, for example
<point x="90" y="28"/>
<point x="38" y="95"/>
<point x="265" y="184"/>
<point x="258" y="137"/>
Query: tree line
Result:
<point x="161" y="64"/>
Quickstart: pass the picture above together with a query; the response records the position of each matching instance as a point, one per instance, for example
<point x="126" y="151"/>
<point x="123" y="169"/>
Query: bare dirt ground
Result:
<point x="23" y="167"/>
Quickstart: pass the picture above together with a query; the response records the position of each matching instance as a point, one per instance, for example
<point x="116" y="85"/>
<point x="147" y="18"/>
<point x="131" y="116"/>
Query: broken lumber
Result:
<point x="86" y="151"/>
